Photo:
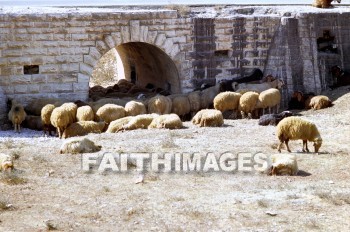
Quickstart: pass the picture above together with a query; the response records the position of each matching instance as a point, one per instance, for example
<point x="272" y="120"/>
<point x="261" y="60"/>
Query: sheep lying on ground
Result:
<point x="168" y="121"/>
<point x="320" y="102"/>
<point x="324" y="3"/>
<point x="208" y="118"/>
<point x="16" y="115"/>
<point x="85" y="113"/>
<point x="63" y="116"/>
<point x="244" y="87"/>
<point x="83" y="128"/>
<point x="97" y="104"/>
<point x="159" y="105"/>
<point x="133" y="108"/>
<point x="141" y="121"/>
<point x="6" y="162"/>
<point x="227" y="101"/>
<point x="247" y="103"/>
<point x="273" y="119"/>
<point x="79" y="145"/>
<point x="269" y="98"/>
<point x="46" y="113"/>
<point x="110" y="112"/>
<point x="283" y="165"/>
<point x="300" y="101"/>
<point x="294" y="128"/>
<point x="33" y="122"/>
<point x="117" y="125"/>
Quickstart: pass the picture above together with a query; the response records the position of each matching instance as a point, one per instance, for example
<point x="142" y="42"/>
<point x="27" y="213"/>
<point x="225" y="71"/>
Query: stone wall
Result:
<point x="67" y="46"/>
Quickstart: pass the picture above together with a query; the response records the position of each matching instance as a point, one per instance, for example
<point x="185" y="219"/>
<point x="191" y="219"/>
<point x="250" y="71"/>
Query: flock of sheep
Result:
<point x="205" y="107"/>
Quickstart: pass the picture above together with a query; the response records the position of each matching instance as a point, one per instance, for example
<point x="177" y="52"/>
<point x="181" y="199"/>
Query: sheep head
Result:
<point x="317" y="144"/>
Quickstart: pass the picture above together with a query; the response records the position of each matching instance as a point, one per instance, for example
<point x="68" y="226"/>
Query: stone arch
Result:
<point x="132" y="34"/>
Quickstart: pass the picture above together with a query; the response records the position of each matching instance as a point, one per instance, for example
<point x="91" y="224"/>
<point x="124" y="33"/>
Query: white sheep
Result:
<point x="82" y="128"/>
<point x="320" y="102"/>
<point x="16" y="115"/>
<point x="294" y="128"/>
<point x="110" y="112"/>
<point x="180" y="105"/>
<point x="6" y="162"/>
<point x="195" y="101"/>
<point x="208" y="118"/>
<point x="268" y="99"/>
<point x="247" y="103"/>
<point x="97" y="104"/>
<point x="168" y="121"/>
<point x="141" y="121"/>
<point x="208" y="95"/>
<point x="78" y="145"/>
<point x="133" y="108"/>
<point x="283" y="165"/>
<point x="85" y="113"/>
<point x="159" y="105"/>
<point x="46" y="113"/>
<point x="244" y="87"/>
<point x="117" y="125"/>
<point x="63" y="116"/>
<point x="227" y="101"/>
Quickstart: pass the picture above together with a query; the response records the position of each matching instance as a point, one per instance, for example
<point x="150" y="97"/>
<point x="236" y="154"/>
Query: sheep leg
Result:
<point x="280" y="146"/>
<point x="249" y="115"/>
<point x="269" y="110"/>
<point x="243" y="114"/>
<point x="277" y="108"/>
<point x="305" y="146"/>
<point x="19" y="128"/>
<point x="286" y="142"/>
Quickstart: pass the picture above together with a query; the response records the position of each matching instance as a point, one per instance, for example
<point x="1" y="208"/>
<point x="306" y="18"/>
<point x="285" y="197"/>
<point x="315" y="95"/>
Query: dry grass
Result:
<point x="12" y="179"/>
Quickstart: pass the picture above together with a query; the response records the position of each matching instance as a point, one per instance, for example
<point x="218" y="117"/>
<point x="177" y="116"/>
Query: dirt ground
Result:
<point x="51" y="191"/>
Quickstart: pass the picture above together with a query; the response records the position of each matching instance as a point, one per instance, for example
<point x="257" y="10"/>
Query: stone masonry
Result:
<point x="204" y="48"/>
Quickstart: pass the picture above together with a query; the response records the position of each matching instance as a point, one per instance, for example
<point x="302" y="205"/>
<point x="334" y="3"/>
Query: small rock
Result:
<point x="271" y="213"/>
<point x="139" y="179"/>
<point x="331" y="182"/>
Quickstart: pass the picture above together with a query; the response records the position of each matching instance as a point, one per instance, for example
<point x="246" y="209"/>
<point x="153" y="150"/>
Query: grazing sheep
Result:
<point x="117" y="125"/>
<point x="16" y="115"/>
<point x="320" y="102"/>
<point x="247" y="103"/>
<point x="141" y="121"/>
<point x="268" y="99"/>
<point x="324" y="3"/>
<point x="83" y="128"/>
<point x="33" y="122"/>
<point x="168" y="121"/>
<point x="110" y="112"/>
<point x="46" y="113"/>
<point x="159" y="105"/>
<point x="63" y="116"/>
<point x="294" y="128"/>
<point x="180" y="105"/>
<point x="133" y="108"/>
<point x="273" y="119"/>
<point x="208" y="95"/>
<point x="283" y="165"/>
<point x="6" y="162"/>
<point x="227" y="101"/>
<point x="34" y="107"/>
<point x="195" y="101"/>
<point x="208" y="118"/>
<point x="79" y="145"/>
<point x="85" y="113"/>
<point x="244" y="87"/>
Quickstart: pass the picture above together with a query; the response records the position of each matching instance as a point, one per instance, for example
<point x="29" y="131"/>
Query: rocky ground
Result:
<point x="49" y="190"/>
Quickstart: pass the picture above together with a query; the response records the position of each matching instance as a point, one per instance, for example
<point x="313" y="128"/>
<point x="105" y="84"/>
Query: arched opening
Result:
<point x="142" y="64"/>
